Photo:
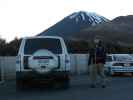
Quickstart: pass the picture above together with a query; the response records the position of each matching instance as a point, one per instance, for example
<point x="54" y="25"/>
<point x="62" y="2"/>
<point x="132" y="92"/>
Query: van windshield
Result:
<point x="50" y="44"/>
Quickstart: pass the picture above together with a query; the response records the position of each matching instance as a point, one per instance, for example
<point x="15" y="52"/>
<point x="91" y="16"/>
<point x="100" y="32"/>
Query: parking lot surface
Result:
<point x="118" y="88"/>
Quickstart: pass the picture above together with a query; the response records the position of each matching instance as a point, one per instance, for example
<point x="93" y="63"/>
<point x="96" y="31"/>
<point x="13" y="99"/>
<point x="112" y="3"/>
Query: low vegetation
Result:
<point x="11" y="48"/>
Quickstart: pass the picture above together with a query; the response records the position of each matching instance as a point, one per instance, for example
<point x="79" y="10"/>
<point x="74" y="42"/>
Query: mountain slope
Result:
<point x="74" y="23"/>
<point x="119" y="30"/>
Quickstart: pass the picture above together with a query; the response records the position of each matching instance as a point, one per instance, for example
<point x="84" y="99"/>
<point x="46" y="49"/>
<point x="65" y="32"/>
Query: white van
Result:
<point x="43" y="58"/>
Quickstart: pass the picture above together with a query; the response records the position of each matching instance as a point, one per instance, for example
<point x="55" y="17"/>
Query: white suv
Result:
<point x="43" y="58"/>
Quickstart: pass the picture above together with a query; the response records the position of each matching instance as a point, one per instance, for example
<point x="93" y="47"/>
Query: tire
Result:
<point x="57" y="84"/>
<point x="66" y="84"/>
<point x="21" y="85"/>
<point x="61" y="84"/>
<point x="46" y="68"/>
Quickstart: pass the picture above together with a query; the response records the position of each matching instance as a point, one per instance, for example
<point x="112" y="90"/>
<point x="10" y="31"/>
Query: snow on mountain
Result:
<point x="91" y="17"/>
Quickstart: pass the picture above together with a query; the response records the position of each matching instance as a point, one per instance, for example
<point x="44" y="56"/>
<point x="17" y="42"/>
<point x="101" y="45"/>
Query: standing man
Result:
<point x="100" y="56"/>
<point x="96" y="61"/>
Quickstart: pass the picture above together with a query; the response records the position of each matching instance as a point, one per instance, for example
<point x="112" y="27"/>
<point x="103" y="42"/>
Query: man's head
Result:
<point x="96" y="41"/>
<point x="99" y="43"/>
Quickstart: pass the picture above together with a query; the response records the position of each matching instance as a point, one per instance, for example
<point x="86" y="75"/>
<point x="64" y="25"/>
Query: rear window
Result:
<point x="50" y="44"/>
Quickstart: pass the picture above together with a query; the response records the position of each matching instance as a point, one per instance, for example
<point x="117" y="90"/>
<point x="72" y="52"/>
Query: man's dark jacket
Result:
<point x="100" y="54"/>
<point x="94" y="54"/>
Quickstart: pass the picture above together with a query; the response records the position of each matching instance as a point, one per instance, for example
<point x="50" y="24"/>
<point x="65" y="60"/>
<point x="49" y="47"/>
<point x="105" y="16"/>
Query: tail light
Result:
<point x="18" y="59"/>
<point x="118" y="64"/>
<point x="25" y="62"/>
<point x="67" y="59"/>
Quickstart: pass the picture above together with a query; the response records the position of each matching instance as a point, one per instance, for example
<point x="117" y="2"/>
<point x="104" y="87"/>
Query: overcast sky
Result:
<point x="20" y="18"/>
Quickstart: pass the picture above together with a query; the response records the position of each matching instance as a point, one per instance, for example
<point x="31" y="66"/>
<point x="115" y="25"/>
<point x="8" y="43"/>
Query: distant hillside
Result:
<point x="73" y="24"/>
<point x="81" y="28"/>
<point x="119" y="30"/>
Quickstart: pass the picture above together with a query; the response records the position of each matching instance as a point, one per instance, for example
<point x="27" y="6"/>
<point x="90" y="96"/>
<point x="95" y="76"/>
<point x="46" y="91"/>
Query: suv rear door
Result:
<point x="52" y="44"/>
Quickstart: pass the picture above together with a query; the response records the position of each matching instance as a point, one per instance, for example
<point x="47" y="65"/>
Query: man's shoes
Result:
<point x="92" y="86"/>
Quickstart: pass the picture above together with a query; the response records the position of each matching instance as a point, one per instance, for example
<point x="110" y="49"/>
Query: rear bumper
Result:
<point x="30" y="75"/>
<point x="121" y="69"/>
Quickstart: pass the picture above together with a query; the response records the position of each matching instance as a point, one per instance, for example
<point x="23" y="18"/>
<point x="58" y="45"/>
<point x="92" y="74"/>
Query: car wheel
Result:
<point x="57" y="84"/>
<point x="20" y="85"/>
<point x="66" y="84"/>
<point x="61" y="84"/>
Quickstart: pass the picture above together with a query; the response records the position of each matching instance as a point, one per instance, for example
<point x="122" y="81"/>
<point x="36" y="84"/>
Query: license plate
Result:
<point x="126" y="64"/>
<point x="43" y="61"/>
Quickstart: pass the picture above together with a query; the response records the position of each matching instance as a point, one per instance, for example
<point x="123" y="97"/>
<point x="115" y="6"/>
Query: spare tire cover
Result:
<point x="43" y="61"/>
